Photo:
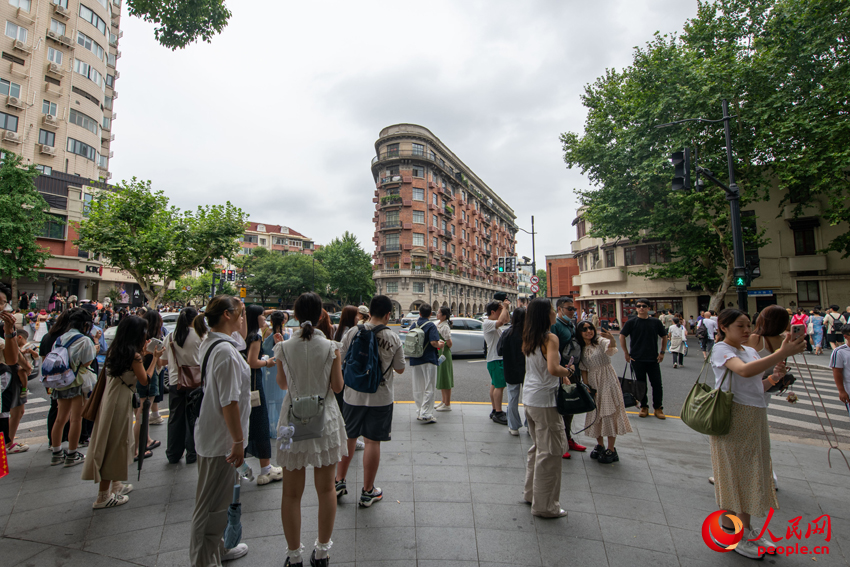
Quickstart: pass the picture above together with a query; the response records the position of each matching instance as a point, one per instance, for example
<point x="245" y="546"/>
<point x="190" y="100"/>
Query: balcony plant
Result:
<point x="390" y="199"/>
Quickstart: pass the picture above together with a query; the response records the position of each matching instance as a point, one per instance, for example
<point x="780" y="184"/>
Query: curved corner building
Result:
<point x="439" y="229"/>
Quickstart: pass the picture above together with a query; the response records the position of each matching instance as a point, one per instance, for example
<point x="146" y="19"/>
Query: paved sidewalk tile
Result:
<point x="453" y="497"/>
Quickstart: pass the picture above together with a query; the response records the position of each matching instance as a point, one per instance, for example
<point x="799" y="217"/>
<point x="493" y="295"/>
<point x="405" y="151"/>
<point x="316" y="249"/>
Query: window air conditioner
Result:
<point x="49" y="150"/>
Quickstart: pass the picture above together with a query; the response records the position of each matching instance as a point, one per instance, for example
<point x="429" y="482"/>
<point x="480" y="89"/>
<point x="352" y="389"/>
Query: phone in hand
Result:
<point x="797" y="331"/>
<point x="153" y="345"/>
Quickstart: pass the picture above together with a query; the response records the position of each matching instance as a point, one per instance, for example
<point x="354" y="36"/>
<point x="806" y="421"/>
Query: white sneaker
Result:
<point x="439" y="405"/>
<point x="443" y="408"/>
<point x="274" y="474"/>
<point x="360" y="445"/>
<point x="752" y="534"/>
<point x="239" y="551"/>
<point x="513" y="432"/>
<point x="111" y="502"/>
<point x="748" y="549"/>
<point x="429" y="419"/>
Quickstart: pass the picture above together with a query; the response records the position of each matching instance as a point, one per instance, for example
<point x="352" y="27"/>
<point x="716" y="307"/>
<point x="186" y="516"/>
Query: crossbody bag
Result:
<point x="306" y="413"/>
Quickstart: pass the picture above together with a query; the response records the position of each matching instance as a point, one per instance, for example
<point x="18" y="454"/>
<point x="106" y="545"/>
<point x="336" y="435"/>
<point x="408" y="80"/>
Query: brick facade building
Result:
<point x="560" y="270"/>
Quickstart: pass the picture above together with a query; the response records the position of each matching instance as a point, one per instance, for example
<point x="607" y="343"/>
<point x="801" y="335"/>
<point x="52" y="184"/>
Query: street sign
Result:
<point x="243" y="292"/>
<point x="535" y="279"/>
<point x="535" y="288"/>
<point x="188" y="288"/>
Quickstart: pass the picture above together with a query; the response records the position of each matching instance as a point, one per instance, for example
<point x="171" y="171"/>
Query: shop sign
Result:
<point x="760" y="292"/>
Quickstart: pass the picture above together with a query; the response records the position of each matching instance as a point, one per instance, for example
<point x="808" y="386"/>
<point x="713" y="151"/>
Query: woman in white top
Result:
<point x="678" y="336"/>
<point x="181" y="348"/>
<point x="543" y="375"/>
<point x="220" y="433"/>
<point x="741" y="458"/>
<point x="309" y="364"/>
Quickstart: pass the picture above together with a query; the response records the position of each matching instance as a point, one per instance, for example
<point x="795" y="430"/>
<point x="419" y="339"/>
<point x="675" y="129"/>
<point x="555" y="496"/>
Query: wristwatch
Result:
<point x="8" y="336"/>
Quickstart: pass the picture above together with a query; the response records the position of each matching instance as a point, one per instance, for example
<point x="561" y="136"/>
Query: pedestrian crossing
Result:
<point x="820" y="391"/>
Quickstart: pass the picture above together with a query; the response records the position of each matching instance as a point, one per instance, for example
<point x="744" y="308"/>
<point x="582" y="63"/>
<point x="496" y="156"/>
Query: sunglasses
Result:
<point x="570" y="308"/>
<point x="642" y="306"/>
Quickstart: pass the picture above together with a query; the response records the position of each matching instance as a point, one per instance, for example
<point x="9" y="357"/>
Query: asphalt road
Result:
<point x="472" y="383"/>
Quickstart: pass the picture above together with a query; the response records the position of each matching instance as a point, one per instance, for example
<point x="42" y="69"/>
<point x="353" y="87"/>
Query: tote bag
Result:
<point x="706" y="410"/>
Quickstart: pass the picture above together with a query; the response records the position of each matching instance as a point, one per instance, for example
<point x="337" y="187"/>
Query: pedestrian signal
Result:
<point x="501" y="264"/>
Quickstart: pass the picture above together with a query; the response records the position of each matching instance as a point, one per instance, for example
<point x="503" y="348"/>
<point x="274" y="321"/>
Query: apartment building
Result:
<point x="793" y="271"/>
<point x="560" y="269"/>
<point x="57" y="87"/>
<point x="439" y="229"/>
<point x="276" y="238"/>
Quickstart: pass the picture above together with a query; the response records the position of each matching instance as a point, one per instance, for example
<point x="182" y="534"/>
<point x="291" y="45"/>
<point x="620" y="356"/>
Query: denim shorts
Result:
<point x="152" y="389"/>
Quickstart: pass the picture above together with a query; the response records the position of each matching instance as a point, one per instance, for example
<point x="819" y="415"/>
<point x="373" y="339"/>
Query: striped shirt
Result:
<point x="840" y="358"/>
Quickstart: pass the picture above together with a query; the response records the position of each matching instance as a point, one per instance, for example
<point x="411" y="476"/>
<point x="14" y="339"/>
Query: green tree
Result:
<point x="299" y="274"/>
<point x="134" y="229"/>
<point x="733" y="49"/>
<point x="197" y="289"/>
<point x="541" y="275"/>
<point x="265" y="274"/>
<point x="180" y="22"/>
<point x="349" y="269"/>
<point x="24" y="216"/>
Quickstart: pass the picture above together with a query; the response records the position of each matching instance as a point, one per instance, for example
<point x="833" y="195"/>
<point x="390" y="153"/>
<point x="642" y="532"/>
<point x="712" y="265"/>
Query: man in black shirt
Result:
<point x="643" y="354"/>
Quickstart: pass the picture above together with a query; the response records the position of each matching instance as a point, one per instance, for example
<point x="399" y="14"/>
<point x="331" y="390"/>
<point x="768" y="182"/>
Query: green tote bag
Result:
<point x="706" y="410"/>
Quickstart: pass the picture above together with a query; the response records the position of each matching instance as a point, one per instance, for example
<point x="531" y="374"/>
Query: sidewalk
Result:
<point x="452" y="497"/>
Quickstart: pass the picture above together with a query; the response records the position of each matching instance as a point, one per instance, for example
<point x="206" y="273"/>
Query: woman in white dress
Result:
<point x="309" y="364"/>
<point x="678" y="335"/>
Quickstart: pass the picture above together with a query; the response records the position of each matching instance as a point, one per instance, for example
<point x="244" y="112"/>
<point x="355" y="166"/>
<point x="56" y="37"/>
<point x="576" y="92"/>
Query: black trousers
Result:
<point x="678" y="357"/>
<point x="181" y="433"/>
<point x="653" y="370"/>
<point x="85" y="430"/>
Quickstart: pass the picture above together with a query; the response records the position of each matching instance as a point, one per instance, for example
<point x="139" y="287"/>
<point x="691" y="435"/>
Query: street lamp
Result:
<point x="533" y="251"/>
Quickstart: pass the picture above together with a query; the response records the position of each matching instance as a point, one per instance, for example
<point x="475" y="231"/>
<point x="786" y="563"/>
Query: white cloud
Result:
<point x="280" y="113"/>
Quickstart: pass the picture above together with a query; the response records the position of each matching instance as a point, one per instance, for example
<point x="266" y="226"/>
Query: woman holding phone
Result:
<point x="150" y="390"/>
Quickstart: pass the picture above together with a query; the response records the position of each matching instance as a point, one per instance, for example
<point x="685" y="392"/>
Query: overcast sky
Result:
<point x="280" y="113"/>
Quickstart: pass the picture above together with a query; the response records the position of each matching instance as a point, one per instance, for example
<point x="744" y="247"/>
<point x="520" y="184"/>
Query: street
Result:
<point x="472" y="384"/>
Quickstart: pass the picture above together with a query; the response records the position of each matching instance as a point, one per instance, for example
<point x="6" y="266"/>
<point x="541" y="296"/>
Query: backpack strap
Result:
<point x="375" y="330"/>
<point x="207" y="357"/>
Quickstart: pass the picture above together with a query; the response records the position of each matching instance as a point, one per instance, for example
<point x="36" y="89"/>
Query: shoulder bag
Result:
<point x="93" y="402"/>
<point x="633" y="391"/>
<point x="196" y="397"/>
<point x="573" y="399"/>
<point x="306" y="413"/>
<point x="188" y="377"/>
<point x="706" y="410"/>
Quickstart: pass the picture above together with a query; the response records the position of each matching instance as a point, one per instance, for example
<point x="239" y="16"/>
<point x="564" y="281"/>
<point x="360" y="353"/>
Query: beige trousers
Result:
<point x="212" y="499"/>
<point x="543" y="470"/>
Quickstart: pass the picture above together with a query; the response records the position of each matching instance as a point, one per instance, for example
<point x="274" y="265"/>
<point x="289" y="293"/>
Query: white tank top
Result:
<point x="538" y="389"/>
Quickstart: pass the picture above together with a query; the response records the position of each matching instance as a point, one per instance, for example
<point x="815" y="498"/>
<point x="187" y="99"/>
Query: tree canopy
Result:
<point x="784" y="66"/>
<point x="25" y="214"/>
<point x="181" y="22"/>
<point x="197" y="289"/>
<point x="541" y="275"/>
<point x="349" y="269"/>
<point x="135" y="229"/>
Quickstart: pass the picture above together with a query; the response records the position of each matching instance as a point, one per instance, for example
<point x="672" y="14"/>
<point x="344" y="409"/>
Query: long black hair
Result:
<point x="60" y="324"/>
<point x="129" y="340"/>
<point x="517" y="322"/>
<point x="252" y="318"/>
<point x="580" y="336"/>
<point x="184" y="323"/>
<point x="80" y="319"/>
<point x="278" y="320"/>
<point x="154" y="320"/>
<point x="537" y="325"/>
<point x="308" y="307"/>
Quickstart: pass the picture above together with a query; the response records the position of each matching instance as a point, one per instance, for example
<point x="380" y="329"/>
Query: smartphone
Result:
<point x="154" y="344"/>
<point x="798" y="331"/>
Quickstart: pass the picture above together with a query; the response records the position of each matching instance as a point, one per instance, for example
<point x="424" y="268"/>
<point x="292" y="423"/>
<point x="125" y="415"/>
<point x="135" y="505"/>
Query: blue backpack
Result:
<point x="362" y="367"/>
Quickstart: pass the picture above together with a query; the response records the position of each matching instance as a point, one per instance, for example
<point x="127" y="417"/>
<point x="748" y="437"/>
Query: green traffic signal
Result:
<point x="740" y="282"/>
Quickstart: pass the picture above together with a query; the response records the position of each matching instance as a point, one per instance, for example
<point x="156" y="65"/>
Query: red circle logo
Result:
<point x="716" y="538"/>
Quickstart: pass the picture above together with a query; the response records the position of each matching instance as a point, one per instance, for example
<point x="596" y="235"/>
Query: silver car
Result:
<point x="467" y="337"/>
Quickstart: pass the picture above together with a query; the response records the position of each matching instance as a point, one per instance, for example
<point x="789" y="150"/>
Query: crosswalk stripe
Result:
<point x="36" y="400"/>
<point x="837" y="419"/>
<point x="28" y="410"/>
<point x="814" y="396"/>
<point x="804" y="424"/>
<point x="32" y="424"/>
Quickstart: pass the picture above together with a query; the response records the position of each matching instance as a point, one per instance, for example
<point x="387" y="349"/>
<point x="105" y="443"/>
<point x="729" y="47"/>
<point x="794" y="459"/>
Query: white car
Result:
<point x="467" y="337"/>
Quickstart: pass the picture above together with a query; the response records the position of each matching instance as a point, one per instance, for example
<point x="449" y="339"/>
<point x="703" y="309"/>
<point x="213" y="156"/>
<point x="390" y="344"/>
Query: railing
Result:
<point x="390" y="179"/>
<point x="391" y="247"/>
<point x="391" y="224"/>
<point x="391" y="200"/>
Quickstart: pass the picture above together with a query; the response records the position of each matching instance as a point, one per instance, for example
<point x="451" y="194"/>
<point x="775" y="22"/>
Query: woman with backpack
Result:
<point x="514" y="362"/>
<point x="221" y="430"/>
<point x="259" y="442"/>
<point x="445" y="371"/>
<point x="182" y="348"/>
<point x="309" y="364"/>
<point x="80" y="352"/>
<point x="109" y="451"/>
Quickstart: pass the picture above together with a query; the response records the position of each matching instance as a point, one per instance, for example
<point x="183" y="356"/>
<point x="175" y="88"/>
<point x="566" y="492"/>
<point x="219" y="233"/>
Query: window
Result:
<point x="8" y="88"/>
<point x="263" y="241"/>
<point x="418" y="239"/>
<point x="45" y="169"/>
<point x="25" y="5"/>
<point x="463" y="233"/>
<point x="392" y="217"/>
<point x="8" y="122"/>
<point x="54" y="55"/>
<point x="63" y="3"/>
<point x="113" y="39"/>
<point x="434" y="220"/>
<point x="418" y="194"/>
<point x="46" y="137"/>
<point x="103" y="162"/>
<point x="110" y="81"/>
<point x="610" y="261"/>
<point x="808" y="292"/>
<point x="110" y="60"/>
<point x="392" y="287"/>
<point x="48" y="107"/>
<point x="16" y="32"/>
<point x="86" y="122"/>
<point x="474" y="325"/>
<point x="418" y="149"/>
<point x="392" y="150"/>
<point x="392" y="170"/>
<point x="804" y="242"/>
<point x="432" y="155"/>
<point x="580" y="227"/>
<point x="453" y="229"/>
<point x="54" y="227"/>
<point x="57" y="27"/>
<point x="419" y="217"/>
<point x="418" y="287"/>
<point x="443" y="224"/>
<point x="434" y="242"/>
<point x="93" y="19"/>
<point x="89" y="72"/>
<point x="107" y="102"/>
<point x="434" y="198"/>
<point x="90" y="44"/>
<point x="81" y="149"/>
<point x="107" y="123"/>
<point x="418" y="171"/>
<point x="454" y="250"/>
<point x="630" y="254"/>
<point x="87" y="199"/>
<point x="250" y="239"/>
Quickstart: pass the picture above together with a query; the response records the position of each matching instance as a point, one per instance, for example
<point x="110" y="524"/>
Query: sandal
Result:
<point x="148" y="455"/>
<point x="153" y="445"/>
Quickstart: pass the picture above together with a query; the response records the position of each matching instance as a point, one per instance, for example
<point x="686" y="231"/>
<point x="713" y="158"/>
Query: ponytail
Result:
<point x="199" y="325"/>
<point x="308" y="311"/>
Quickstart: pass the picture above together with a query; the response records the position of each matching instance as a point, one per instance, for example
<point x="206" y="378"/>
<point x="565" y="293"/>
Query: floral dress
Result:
<point x="601" y="376"/>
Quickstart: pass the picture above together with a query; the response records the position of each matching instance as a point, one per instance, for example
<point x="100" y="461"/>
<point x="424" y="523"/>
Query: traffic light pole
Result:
<point x="733" y="195"/>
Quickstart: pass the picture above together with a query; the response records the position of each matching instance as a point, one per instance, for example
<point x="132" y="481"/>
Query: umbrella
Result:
<point x="233" y="531"/>
<point x="143" y="434"/>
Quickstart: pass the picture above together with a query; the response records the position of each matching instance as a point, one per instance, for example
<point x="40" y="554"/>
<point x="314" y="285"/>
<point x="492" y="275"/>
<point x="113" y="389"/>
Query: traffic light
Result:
<point x="230" y="275"/>
<point x="741" y="277"/>
<point x="510" y="264"/>
<point x="754" y="268"/>
<point x="682" y="170"/>
<point x="501" y="264"/>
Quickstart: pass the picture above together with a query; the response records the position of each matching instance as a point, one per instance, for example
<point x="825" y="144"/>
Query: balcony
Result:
<point x="407" y="246"/>
<point x="391" y="248"/>
<point x="605" y="275"/>
<point x="811" y="210"/>
<point x="394" y="180"/>
<point x="391" y="224"/>
<point x="432" y="207"/>
<point x="812" y="263"/>
<point x="391" y="201"/>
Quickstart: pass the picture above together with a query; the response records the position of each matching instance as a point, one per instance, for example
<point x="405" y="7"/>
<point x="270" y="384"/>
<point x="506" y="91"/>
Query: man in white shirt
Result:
<point x="709" y="322"/>
<point x="498" y="315"/>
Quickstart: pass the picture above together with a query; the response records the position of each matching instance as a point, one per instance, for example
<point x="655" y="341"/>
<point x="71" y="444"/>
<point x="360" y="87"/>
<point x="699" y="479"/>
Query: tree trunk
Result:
<point x="13" y="301"/>
<point x="716" y="302"/>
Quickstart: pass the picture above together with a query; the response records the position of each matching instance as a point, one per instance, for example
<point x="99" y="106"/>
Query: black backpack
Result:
<point x="702" y="331"/>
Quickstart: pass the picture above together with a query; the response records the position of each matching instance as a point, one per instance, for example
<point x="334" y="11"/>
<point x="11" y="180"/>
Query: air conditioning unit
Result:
<point x="14" y="101"/>
<point x="49" y="150"/>
<point x="55" y="69"/>
<point x="117" y="74"/>
<point x="111" y="154"/>
<point x="53" y="35"/>
<point x="10" y="136"/>
<point x="114" y="95"/>
<point x="21" y="46"/>
<point x="597" y="265"/>
<point x="65" y="40"/>
<point x="114" y="115"/>
<point x="61" y="11"/>
<point x="118" y="55"/>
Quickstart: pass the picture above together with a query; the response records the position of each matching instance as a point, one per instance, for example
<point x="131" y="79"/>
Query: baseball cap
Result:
<point x="363" y="309"/>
